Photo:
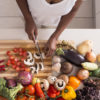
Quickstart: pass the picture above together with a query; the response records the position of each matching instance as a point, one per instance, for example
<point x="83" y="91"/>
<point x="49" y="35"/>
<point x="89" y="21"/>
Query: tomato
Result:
<point x="20" y="49"/>
<point x="16" y="59"/>
<point x="22" y="59"/>
<point x="22" y="97"/>
<point x="11" y="57"/>
<point x="30" y="90"/>
<point x="14" y="66"/>
<point x="8" y="53"/>
<point x="8" y="63"/>
<point x="12" y="62"/>
<point x="18" y="63"/>
<point x="15" y="50"/>
<point x="31" y="98"/>
<point x="17" y="69"/>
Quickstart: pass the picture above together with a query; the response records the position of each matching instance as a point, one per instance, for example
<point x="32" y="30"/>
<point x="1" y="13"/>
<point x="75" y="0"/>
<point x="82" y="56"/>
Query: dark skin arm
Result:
<point x="65" y="20"/>
<point x="30" y="26"/>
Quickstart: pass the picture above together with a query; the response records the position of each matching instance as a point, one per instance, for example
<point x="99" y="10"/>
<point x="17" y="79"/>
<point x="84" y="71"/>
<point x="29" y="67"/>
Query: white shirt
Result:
<point x="47" y="14"/>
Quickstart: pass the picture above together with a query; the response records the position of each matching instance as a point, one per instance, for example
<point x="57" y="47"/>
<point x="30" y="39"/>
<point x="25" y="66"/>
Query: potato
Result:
<point x="85" y="47"/>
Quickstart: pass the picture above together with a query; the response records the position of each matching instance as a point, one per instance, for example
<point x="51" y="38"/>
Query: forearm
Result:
<point x="66" y="19"/>
<point x="23" y="5"/>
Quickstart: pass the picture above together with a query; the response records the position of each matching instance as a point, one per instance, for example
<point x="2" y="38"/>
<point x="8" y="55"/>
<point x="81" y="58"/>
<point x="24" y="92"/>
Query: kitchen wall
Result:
<point x="11" y="17"/>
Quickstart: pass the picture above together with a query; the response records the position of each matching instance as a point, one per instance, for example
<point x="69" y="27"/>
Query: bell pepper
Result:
<point x="68" y="93"/>
<point x="52" y="92"/>
<point x="74" y="82"/>
<point x="60" y="98"/>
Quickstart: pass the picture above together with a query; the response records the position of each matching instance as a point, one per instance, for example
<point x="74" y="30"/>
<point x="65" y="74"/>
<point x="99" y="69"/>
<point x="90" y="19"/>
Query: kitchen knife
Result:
<point x="38" y="48"/>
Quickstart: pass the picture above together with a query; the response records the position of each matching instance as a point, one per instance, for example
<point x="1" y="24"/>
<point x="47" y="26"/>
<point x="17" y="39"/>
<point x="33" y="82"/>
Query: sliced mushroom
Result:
<point x="64" y="77"/>
<point x="51" y="79"/>
<point x="44" y="84"/>
<point x="41" y="66"/>
<point x="36" y="68"/>
<point x="60" y="84"/>
<point x="29" y="62"/>
<point x="37" y="56"/>
<point x="29" y="55"/>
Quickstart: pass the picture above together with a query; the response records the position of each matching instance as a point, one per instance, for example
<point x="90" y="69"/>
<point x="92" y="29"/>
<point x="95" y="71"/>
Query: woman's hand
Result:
<point x="50" y="46"/>
<point x="31" y="29"/>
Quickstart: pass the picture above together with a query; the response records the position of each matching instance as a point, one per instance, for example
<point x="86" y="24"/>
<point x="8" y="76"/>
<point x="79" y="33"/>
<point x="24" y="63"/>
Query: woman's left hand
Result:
<point x="50" y="46"/>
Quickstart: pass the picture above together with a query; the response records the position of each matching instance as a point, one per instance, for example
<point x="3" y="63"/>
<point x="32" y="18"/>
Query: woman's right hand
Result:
<point x="31" y="29"/>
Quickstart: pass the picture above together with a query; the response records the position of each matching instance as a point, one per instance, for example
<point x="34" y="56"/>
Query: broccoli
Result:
<point x="9" y="93"/>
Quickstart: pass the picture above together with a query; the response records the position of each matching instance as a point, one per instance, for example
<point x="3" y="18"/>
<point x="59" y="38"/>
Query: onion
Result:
<point x="25" y="78"/>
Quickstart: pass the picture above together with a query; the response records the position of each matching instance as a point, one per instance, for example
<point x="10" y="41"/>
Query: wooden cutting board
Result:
<point x="6" y="45"/>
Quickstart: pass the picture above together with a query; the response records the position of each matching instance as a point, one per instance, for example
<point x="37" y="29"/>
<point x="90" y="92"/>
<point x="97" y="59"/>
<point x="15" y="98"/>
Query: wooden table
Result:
<point x="6" y="45"/>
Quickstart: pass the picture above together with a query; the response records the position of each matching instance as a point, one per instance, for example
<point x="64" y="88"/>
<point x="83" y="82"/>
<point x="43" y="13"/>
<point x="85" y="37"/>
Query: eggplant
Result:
<point x="73" y="57"/>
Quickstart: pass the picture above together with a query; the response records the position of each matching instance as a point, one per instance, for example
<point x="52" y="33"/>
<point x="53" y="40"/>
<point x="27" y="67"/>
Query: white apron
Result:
<point x="47" y="14"/>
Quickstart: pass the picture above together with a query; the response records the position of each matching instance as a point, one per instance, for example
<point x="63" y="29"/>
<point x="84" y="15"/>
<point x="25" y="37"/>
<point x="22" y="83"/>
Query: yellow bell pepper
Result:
<point x="68" y="93"/>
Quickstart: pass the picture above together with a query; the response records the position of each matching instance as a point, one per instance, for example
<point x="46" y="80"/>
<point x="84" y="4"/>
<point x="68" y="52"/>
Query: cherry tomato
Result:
<point x="30" y="90"/>
<point x="31" y="98"/>
<point x="16" y="59"/>
<point x="14" y="66"/>
<point x="20" y="49"/>
<point x="21" y="53"/>
<point x="12" y="62"/>
<point x="11" y="57"/>
<point x="15" y="50"/>
<point x="22" y="97"/>
<point x="17" y="69"/>
<point x="8" y="53"/>
<point x="18" y="63"/>
<point x="22" y="59"/>
<point x="8" y="63"/>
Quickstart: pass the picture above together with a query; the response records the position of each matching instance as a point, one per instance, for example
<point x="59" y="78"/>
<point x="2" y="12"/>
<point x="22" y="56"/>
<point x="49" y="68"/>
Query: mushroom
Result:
<point x="64" y="77"/>
<point x="43" y="55"/>
<point x="60" y="84"/>
<point x="56" y="59"/>
<point x="56" y="67"/>
<point x="37" y="56"/>
<point x="32" y="69"/>
<point x="51" y="79"/>
<point x="29" y="62"/>
<point x="41" y="66"/>
<point x="36" y="68"/>
<point x="29" y="55"/>
<point x="44" y="84"/>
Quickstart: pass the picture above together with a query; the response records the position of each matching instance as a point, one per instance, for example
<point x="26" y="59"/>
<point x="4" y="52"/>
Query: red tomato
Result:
<point x="8" y="53"/>
<point x="15" y="50"/>
<point x="22" y="97"/>
<point x="14" y="66"/>
<point x="12" y="62"/>
<point x="18" y="63"/>
<point x="30" y="90"/>
<point x="11" y="57"/>
<point x="20" y="49"/>
<point x="22" y="59"/>
<point x="17" y="69"/>
<point x="8" y="63"/>
<point x="16" y="59"/>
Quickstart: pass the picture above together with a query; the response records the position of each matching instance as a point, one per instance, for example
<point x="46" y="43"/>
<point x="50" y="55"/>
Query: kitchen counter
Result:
<point x="78" y="35"/>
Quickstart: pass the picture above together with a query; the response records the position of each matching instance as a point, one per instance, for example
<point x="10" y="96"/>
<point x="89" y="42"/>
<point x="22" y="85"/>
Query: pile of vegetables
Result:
<point x="62" y="84"/>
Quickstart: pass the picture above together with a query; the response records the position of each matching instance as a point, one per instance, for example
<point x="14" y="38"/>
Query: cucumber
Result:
<point x="90" y="66"/>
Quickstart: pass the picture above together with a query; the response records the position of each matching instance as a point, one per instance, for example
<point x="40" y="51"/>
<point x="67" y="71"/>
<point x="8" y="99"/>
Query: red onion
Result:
<point x="25" y="78"/>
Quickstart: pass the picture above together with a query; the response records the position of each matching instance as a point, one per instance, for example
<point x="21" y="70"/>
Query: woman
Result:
<point x="48" y="13"/>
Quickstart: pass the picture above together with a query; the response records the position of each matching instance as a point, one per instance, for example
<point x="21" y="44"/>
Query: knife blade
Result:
<point x="38" y="48"/>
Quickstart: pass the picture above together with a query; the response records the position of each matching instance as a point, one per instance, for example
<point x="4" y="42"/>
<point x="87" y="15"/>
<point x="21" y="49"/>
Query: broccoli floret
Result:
<point x="9" y="93"/>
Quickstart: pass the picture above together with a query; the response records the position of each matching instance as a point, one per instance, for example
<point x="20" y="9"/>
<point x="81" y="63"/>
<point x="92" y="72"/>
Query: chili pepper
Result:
<point x="39" y="91"/>
<point x="68" y="93"/>
<point x="52" y="92"/>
